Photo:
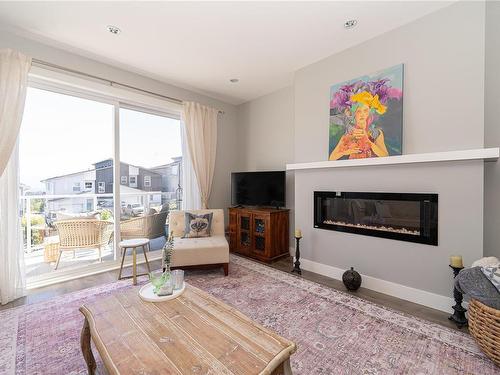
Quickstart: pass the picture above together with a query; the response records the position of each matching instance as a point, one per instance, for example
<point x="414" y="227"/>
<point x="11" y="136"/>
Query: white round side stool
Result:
<point x="133" y="244"/>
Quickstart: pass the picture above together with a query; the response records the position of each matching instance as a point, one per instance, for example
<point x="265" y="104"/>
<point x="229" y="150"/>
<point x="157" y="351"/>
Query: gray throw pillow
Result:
<point x="197" y="225"/>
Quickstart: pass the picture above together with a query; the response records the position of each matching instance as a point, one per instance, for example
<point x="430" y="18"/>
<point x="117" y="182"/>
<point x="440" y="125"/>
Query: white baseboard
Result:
<point x="422" y="297"/>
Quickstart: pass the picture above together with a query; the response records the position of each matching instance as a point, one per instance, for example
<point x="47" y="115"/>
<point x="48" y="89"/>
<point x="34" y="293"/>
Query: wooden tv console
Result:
<point x="260" y="233"/>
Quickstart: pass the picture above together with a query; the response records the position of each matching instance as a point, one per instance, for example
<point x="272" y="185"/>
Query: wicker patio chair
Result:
<point x="147" y="226"/>
<point x="83" y="234"/>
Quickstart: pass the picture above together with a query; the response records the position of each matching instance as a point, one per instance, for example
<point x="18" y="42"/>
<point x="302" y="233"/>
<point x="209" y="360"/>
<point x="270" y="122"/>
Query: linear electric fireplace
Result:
<point x="398" y="216"/>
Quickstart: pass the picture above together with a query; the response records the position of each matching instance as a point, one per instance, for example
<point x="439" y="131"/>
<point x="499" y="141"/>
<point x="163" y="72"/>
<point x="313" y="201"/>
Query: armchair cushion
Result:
<point x="203" y="250"/>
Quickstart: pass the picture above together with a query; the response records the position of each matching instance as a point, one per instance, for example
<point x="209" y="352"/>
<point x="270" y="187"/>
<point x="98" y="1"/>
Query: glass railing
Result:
<point x="141" y="215"/>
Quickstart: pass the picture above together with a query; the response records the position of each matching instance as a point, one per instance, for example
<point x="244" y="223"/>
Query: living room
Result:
<point x="327" y="240"/>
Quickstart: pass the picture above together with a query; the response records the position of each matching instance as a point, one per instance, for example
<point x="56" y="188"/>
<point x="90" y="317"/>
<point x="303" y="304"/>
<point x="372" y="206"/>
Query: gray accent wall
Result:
<point x="443" y="55"/>
<point x="492" y="130"/>
<point x="444" y="88"/>
<point x="460" y="189"/>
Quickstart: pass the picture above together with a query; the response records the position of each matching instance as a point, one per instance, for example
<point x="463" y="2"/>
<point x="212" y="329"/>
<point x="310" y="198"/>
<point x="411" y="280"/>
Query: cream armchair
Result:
<point x="201" y="252"/>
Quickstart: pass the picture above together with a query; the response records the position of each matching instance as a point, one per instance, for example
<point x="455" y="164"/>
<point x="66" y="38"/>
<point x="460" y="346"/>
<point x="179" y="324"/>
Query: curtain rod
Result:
<point x="110" y="82"/>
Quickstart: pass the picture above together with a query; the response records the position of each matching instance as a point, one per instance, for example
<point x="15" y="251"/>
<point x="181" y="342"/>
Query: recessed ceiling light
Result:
<point x="349" y="24"/>
<point x="114" y="30"/>
<point x="234" y="80"/>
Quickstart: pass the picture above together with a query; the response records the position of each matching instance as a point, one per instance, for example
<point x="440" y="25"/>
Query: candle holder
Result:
<point x="296" y="267"/>
<point x="458" y="316"/>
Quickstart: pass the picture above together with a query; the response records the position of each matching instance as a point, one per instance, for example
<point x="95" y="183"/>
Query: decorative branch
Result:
<point x="168" y="249"/>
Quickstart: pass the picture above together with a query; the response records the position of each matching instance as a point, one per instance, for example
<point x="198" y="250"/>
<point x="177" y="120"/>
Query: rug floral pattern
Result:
<point x="335" y="332"/>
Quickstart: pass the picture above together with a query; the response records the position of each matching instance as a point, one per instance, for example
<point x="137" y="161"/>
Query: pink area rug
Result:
<point x="335" y="332"/>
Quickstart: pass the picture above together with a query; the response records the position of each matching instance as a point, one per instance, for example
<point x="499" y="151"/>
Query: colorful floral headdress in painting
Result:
<point x="370" y="100"/>
<point x="375" y="94"/>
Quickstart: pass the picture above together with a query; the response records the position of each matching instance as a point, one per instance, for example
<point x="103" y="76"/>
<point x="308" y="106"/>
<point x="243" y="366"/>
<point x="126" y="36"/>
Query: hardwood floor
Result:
<point x="44" y="293"/>
<point x="284" y="264"/>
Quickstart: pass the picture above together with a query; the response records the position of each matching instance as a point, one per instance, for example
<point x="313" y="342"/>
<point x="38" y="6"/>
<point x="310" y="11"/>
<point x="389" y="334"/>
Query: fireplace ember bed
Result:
<point x="409" y="217"/>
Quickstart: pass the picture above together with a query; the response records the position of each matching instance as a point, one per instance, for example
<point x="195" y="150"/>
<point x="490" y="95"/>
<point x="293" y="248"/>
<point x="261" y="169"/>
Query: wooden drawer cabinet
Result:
<point x="260" y="233"/>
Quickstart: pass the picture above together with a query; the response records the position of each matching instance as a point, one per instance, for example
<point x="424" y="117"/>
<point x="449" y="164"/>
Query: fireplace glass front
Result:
<point x="400" y="216"/>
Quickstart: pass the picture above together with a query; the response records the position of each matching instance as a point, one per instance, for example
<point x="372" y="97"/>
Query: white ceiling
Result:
<point x="203" y="44"/>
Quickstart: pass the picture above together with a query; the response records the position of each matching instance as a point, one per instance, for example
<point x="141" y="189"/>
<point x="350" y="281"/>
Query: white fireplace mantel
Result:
<point x="486" y="154"/>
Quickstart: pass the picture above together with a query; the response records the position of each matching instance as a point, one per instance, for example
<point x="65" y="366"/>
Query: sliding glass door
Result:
<point x="68" y="179"/>
<point x="63" y="139"/>
<point x="150" y="174"/>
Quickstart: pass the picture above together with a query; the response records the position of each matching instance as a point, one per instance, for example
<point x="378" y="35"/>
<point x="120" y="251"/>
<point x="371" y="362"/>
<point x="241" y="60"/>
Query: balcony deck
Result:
<point x="42" y="231"/>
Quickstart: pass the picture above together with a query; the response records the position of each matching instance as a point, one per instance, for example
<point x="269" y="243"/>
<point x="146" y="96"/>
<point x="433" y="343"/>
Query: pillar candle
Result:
<point x="456" y="261"/>
<point x="298" y="233"/>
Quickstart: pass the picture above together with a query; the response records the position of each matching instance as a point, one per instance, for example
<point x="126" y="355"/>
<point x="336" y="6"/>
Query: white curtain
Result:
<point x="200" y="123"/>
<point x="14" y="68"/>
<point x="191" y="199"/>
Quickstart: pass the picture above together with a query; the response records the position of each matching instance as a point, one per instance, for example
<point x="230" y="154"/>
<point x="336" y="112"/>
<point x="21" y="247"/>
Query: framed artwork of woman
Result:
<point x="366" y="116"/>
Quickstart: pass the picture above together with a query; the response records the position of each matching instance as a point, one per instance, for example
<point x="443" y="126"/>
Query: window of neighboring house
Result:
<point x="76" y="187"/>
<point x="90" y="204"/>
<point x="123" y="180"/>
<point x="147" y="181"/>
<point x="89" y="185"/>
<point x="132" y="181"/>
<point x="101" y="187"/>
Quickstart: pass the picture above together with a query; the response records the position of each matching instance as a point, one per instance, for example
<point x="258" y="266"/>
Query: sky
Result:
<point x="62" y="134"/>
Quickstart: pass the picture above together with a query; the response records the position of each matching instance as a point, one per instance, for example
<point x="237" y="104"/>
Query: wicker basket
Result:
<point x="50" y="251"/>
<point x="484" y="326"/>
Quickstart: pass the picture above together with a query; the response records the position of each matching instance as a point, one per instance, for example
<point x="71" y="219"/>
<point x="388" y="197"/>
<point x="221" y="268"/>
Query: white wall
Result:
<point x="266" y="135"/>
<point x="266" y="126"/>
<point x="228" y="157"/>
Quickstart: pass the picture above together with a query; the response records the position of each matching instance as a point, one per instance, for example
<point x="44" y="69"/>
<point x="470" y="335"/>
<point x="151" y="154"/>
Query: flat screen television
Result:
<point x="266" y="189"/>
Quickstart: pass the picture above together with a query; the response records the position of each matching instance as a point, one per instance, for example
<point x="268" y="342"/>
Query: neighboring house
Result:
<point x="171" y="176"/>
<point x="134" y="180"/>
<point x="130" y="175"/>
<point x="71" y="184"/>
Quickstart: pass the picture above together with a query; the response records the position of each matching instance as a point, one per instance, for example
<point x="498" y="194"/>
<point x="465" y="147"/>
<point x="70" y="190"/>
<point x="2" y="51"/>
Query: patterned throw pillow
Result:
<point x="493" y="274"/>
<point x="197" y="225"/>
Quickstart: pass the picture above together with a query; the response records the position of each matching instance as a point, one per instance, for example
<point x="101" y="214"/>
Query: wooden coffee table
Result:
<point x="192" y="334"/>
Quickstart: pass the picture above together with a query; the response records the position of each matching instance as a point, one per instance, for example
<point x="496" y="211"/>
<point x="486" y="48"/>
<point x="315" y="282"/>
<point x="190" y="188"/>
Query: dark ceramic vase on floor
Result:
<point x="351" y="279"/>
